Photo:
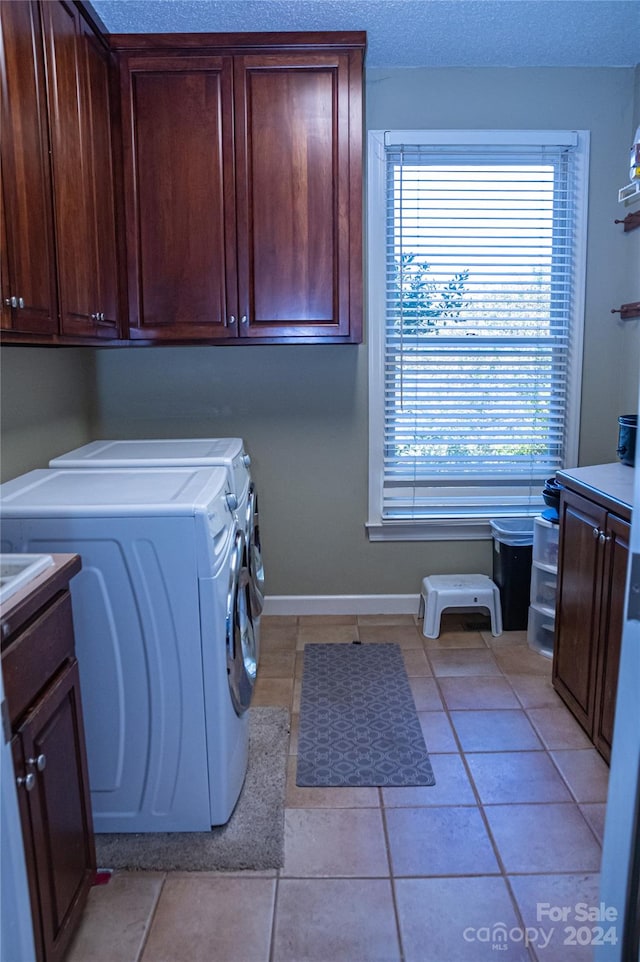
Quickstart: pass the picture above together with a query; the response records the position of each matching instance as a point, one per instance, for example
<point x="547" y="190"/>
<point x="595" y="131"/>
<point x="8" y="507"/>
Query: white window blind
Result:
<point x="482" y="324"/>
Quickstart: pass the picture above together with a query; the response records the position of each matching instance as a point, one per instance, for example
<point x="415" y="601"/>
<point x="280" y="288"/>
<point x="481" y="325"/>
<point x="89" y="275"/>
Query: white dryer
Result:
<point x="164" y="637"/>
<point x="229" y="453"/>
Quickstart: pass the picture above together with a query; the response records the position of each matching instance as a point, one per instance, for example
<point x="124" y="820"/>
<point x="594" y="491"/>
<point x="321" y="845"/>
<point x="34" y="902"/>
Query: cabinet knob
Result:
<point x="243" y="319"/>
<point x="21" y="302"/>
<point x="28" y="782"/>
<point x="596" y="532"/>
<point x="95" y="317"/>
<point x="604" y="538"/>
<point x="11" y="301"/>
<point x="40" y="762"/>
<point x="232" y="320"/>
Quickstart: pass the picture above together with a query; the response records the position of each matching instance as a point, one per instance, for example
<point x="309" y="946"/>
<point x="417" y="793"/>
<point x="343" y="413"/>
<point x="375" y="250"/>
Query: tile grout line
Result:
<point x="480" y="805"/>
<point x="476" y="793"/>
<point x="151" y="919"/>
<point x="272" y="940"/>
<point x="392" y="878"/>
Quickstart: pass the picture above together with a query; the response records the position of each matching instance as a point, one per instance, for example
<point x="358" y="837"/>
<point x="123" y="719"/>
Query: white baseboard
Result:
<point x="341" y="604"/>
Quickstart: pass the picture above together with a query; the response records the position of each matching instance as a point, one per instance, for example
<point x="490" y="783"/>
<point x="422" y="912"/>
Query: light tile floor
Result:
<point x="451" y="873"/>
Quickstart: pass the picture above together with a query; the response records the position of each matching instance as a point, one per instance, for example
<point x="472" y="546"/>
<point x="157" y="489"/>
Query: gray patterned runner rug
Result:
<point x="358" y="721"/>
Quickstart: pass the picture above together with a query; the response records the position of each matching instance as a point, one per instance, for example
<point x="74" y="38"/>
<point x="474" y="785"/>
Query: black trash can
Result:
<point x="512" y="555"/>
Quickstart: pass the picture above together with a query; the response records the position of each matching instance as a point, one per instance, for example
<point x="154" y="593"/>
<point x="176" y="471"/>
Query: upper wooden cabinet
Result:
<point x="59" y="270"/>
<point x="77" y="69"/>
<point x="29" y="304"/>
<point x="243" y="186"/>
<point x="179" y="196"/>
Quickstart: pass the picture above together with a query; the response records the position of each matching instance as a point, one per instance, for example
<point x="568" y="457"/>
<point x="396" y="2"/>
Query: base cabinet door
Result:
<point x="589" y="613"/>
<point x="616" y="557"/>
<point x="50" y="765"/>
<point x="578" y="605"/>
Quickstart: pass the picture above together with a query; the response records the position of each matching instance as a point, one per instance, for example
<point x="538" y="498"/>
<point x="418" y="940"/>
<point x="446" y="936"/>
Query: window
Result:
<point x="476" y="280"/>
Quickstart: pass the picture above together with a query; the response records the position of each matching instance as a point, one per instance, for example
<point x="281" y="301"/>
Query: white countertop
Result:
<point x="615" y="480"/>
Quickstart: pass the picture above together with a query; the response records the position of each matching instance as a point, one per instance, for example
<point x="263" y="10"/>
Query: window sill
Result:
<point x="450" y="530"/>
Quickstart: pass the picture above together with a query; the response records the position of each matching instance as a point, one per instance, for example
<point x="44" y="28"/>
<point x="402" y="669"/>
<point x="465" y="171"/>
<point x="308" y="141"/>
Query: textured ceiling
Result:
<point x="413" y="33"/>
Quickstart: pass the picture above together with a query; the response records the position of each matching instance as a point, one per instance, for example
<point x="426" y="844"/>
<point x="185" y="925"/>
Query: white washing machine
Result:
<point x="192" y="452"/>
<point x="164" y="636"/>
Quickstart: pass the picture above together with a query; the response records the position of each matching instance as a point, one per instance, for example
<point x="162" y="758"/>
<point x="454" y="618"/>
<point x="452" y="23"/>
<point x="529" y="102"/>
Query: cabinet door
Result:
<point x="26" y="184"/>
<point x="611" y="624"/>
<point x="179" y="197"/>
<point x="21" y="770"/>
<point x="5" y="286"/>
<point x="59" y="829"/>
<point x="72" y="72"/>
<point x="578" y="604"/>
<point x="98" y="114"/>
<point x="298" y="155"/>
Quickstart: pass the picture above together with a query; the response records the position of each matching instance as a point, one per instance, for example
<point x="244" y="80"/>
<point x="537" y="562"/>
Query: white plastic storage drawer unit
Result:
<point x="544" y="579"/>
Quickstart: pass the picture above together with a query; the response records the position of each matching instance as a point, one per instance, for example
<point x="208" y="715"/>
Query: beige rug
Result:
<point x="253" y="838"/>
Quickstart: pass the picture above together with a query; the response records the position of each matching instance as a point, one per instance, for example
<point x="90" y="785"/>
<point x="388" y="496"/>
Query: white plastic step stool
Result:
<point x="457" y="591"/>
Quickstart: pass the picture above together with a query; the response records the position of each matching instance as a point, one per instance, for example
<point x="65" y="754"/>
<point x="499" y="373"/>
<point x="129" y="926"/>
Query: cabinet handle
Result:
<point x="40" y="762"/>
<point x="29" y="782"/>
<point x="604" y="538"/>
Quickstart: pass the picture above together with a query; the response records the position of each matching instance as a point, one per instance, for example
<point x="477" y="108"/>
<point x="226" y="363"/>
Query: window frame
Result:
<point x="455" y="528"/>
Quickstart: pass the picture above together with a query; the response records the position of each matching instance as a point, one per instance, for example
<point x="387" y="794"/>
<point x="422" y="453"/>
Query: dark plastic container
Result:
<point x="512" y="557"/>
<point x="627" y="430"/>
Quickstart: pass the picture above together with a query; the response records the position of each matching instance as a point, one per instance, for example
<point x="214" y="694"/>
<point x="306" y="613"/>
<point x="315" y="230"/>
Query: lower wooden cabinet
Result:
<point x="616" y="555"/>
<point x="42" y="689"/>
<point x="594" y="545"/>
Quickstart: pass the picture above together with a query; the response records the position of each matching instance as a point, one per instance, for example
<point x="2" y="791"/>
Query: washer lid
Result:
<point x="161" y="452"/>
<point x="98" y="493"/>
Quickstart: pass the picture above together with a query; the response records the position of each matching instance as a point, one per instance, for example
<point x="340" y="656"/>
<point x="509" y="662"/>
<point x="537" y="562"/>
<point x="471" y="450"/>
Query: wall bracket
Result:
<point x="627" y="312"/>
<point x="631" y="221"/>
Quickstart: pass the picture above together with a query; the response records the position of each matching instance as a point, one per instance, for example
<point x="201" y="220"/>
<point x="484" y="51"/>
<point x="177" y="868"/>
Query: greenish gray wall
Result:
<point x="47" y="400"/>
<point x="303" y="410"/>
